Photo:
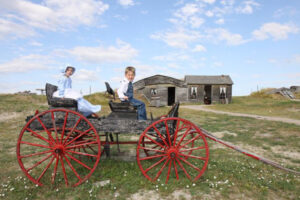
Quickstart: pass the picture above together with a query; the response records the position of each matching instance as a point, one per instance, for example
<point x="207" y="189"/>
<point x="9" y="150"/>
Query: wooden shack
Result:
<point x="163" y="90"/>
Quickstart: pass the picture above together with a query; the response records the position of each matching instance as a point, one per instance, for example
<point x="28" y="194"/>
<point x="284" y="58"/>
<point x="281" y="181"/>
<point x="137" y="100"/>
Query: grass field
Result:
<point x="230" y="175"/>
<point x="262" y="106"/>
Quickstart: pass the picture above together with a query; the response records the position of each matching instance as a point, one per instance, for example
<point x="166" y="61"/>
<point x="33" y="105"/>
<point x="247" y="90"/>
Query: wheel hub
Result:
<point x="59" y="149"/>
<point x="172" y="153"/>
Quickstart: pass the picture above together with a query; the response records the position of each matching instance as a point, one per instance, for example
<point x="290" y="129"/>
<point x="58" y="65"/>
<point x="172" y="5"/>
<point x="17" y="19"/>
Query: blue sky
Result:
<point x="255" y="42"/>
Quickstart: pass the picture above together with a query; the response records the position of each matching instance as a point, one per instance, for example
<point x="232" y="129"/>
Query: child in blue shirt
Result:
<point x="125" y="93"/>
<point x="65" y="91"/>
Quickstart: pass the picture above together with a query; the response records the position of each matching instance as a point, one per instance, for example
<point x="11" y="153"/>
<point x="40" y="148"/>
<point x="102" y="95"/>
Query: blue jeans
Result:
<point x="141" y="108"/>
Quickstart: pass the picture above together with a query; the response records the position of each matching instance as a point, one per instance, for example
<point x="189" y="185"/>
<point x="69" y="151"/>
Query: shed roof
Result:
<point x="222" y="79"/>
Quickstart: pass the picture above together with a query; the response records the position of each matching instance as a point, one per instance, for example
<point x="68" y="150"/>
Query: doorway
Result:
<point x="171" y="96"/>
<point x="207" y="94"/>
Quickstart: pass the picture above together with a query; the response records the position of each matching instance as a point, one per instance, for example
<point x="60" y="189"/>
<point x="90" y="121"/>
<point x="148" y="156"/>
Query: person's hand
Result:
<point x="126" y="97"/>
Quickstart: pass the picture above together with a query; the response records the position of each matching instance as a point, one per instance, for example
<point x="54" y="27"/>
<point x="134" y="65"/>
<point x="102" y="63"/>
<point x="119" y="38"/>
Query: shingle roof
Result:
<point x="223" y="79"/>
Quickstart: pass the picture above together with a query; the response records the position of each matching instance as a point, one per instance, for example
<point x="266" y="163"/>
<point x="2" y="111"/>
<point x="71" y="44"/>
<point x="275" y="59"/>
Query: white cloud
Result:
<point x="36" y="44"/>
<point x="120" y="53"/>
<point x="220" y="21"/>
<point x="209" y="1"/>
<point x="172" y="57"/>
<point x="126" y="3"/>
<point x="218" y="64"/>
<point x="53" y="14"/>
<point x="86" y="75"/>
<point x="221" y="34"/>
<point x="199" y="48"/>
<point x="179" y="39"/>
<point x="25" y="64"/>
<point x="247" y="7"/>
<point x="275" y="30"/>
<point x="209" y="13"/>
<point x="11" y="29"/>
<point x="196" y="22"/>
<point x="189" y="14"/>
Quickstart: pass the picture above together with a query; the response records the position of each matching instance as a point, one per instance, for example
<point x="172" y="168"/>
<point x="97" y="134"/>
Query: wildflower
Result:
<point x="187" y="186"/>
<point x="194" y="185"/>
<point x="57" y="190"/>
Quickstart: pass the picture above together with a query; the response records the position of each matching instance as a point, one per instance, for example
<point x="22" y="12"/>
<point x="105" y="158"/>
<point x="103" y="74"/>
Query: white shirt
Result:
<point x="123" y="88"/>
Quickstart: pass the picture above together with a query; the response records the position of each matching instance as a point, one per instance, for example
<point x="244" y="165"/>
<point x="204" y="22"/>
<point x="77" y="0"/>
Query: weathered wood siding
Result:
<point x="215" y="96"/>
<point x="181" y="94"/>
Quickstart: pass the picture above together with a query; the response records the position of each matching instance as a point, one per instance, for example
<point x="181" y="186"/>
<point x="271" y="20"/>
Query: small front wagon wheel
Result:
<point x="58" y="146"/>
<point x="172" y="147"/>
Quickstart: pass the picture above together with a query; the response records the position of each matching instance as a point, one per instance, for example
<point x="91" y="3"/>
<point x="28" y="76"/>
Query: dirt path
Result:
<point x="207" y="109"/>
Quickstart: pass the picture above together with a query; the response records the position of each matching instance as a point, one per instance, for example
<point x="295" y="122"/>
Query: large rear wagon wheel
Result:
<point x="172" y="147"/>
<point x="58" y="146"/>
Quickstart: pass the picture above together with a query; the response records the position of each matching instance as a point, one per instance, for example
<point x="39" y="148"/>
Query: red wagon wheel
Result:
<point x="58" y="145"/>
<point x="172" y="147"/>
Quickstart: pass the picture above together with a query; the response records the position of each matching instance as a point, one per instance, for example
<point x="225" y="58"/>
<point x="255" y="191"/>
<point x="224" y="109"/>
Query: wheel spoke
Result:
<point x="38" y="136"/>
<point x="64" y="170"/>
<point x="38" y="163"/>
<point x="180" y="165"/>
<point x="154" y="141"/>
<point x="184" y="135"/>
<point x="155" y="164"/>
<point x="191" y="140"/>
<point x="44" y="127"/>
<point x="64" y="127"/>
<point x="81" y="134"/>
<point x="55" y="169"/>
<point x="83" y="144"/>
<point x="47" y="167"/>
<point x="168" y="133"/>
<point x="35" y="154"/>
<point x="191" y="149"/>
<point x="54" y="126"/>
<point x="80" y="153"/>
<point x="148" y="149"/>
<point x="91" y="148"/>
<point x="176" y="132"/>
<point x="71" y="166"/>
<point x="152" y="157"/>
<point x="36" y="145"/>
<point x="66" y="139"/>
<point x="161" y="137"/>
<point x="161" y="169"/>
<point x="169" y="170"/>
<point x="190" y="164"/>
<point x="191" y="156"/>
<point x="78" y="161"/>
<point x="175" y="168"/>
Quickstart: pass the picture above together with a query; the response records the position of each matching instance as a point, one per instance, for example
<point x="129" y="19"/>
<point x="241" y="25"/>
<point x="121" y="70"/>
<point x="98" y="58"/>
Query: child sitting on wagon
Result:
<point x="125" y="93"/>
<point x="65" y="91"/>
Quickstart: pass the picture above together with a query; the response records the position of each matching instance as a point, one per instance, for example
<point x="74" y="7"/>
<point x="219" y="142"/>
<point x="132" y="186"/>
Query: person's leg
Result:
<point x="86" y="108"/>
<point x="142" y="115"/>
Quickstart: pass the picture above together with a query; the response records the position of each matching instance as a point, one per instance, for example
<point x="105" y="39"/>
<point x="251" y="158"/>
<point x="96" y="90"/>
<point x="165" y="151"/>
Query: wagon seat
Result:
<point x="122" y="110"/>
<point x="55" y="102"/>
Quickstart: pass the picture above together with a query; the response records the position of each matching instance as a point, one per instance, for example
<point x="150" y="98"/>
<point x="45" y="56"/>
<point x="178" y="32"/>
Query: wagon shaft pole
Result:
<point x="247" y="153"/>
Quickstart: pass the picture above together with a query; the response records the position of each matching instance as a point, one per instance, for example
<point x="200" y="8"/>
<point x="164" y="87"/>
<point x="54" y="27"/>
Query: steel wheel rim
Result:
<point x="65" y="148"/>
<point x="179" y="156"/>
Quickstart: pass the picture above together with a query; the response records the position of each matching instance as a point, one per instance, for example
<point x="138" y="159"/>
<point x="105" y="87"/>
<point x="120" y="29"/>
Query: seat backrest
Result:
<point x="109" y="90"/>
<point x="50" y="89"/>
<point x="121" y="107"/>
